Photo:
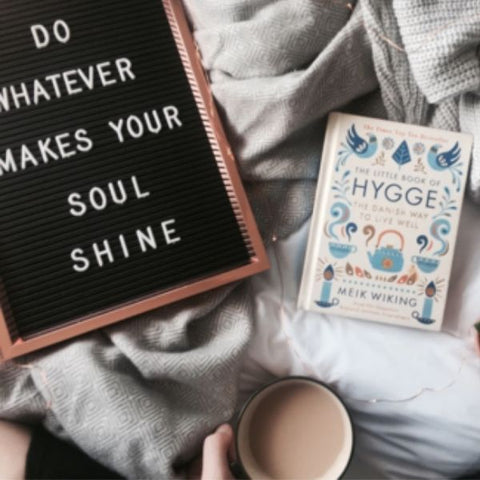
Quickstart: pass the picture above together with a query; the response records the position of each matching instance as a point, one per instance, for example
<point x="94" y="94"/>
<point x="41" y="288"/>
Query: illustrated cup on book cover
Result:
<point x="295" y="427"/>
<point x="341" y="250"/>
<point x="425" y="264"/>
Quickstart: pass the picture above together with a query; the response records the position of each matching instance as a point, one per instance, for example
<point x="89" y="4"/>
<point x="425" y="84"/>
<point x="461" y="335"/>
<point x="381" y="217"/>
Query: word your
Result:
<point x="394" y="192"/>
<point x="108" y="251"/>
<point x="150" y="122"/>
<point x="70" y="82"/>
<point x="99" y="198"/>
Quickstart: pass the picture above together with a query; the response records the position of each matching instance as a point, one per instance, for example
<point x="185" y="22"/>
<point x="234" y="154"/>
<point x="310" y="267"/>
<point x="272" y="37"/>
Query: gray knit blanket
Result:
<point x="140" y="396"/>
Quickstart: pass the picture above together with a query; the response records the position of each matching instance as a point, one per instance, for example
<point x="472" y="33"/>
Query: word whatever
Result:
<point x="70" y="82"/>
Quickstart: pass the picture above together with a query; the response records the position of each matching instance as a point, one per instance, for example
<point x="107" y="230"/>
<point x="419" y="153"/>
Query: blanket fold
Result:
<point x="140" y="396"/>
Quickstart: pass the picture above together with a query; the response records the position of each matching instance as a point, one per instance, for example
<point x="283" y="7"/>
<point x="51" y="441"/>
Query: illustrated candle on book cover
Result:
<point x="385" y="221"/>
<point x="118" y="191"/>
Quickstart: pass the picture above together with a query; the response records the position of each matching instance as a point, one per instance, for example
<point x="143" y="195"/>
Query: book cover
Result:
<point x="118" y="190"/>
<point x="385" y="221"/>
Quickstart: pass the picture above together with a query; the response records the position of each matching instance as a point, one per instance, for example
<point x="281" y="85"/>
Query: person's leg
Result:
<point x="35" y="453"/>
<point x="14" y="443"/>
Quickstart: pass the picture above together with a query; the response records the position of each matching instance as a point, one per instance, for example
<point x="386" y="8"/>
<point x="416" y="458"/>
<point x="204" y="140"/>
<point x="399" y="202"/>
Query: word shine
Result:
<point x="394" y="192"/>
<point x="68" y="83"/>
<point x="108" y="251"/>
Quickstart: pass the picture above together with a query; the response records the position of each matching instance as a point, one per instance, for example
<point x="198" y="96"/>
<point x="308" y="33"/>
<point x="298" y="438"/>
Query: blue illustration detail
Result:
<point x="356" y="145"/>
<point x="426" y="264"/>
<point x="341" y="250"/>
<point x="342" y="187"/>
<point x="341" y="212"/>
<point x="351" y="228"/>
<point x="447" y="205"/>
<point x="328" y="276"/>
<point x="387" y="258"/>
<point x="439" y="229"/>
<point x="447" y="161"/>
<point x="360" y="146"/>
<point x="402" y="154"/>
<point x="443" y="160"/>
<point x="426" y="316"/>
<point x="422" y="240"/>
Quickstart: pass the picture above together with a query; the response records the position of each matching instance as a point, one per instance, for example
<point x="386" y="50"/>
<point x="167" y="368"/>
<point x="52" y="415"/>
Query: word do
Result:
<point x="41" y="35"/>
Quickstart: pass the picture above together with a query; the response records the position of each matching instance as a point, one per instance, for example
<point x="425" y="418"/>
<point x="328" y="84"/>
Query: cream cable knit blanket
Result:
<point x="140" y="396"/>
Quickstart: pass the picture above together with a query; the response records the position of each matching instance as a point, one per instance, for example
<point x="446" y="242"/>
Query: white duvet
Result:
<point x="425" y="421"/>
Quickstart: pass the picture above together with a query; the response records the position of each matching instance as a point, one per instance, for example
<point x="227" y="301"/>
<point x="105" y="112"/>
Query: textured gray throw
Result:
<point x="140" y="396"/>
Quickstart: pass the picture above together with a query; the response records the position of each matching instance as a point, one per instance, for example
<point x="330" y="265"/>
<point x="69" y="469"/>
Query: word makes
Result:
<point x="109" y="251"/>
<point x="70" y="82"/>
<point x="394" y="192"/>
<point x="61" y="146"/>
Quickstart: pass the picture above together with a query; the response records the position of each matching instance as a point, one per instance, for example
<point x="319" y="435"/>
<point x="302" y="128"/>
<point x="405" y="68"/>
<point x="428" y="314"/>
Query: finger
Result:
<point x="215" y="454"/>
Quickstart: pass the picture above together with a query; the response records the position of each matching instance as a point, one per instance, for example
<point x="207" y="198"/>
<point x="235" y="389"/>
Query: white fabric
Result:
<point x="435" y="435"/>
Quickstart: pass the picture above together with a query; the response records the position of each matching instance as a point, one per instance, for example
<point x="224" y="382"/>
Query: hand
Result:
<point x="218" y="451"/>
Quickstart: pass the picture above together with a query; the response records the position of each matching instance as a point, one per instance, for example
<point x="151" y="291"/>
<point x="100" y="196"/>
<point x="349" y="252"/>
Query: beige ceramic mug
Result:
<point x="294" y="428"/>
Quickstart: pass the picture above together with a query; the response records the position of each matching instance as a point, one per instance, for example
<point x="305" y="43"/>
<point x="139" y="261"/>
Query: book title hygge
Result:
<point x="394" y="199"/>
<point x="391" y="187"/>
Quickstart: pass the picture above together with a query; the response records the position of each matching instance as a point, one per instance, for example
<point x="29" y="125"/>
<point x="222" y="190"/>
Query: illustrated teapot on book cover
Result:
<point x="387" y="258"/>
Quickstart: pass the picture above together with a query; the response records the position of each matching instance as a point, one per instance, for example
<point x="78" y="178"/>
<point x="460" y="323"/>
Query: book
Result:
<point x="118" y="190"/>
<point x="385" y="221"/>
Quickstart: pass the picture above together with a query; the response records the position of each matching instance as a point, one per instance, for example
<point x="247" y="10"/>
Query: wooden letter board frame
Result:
<point x="10" y="348"/>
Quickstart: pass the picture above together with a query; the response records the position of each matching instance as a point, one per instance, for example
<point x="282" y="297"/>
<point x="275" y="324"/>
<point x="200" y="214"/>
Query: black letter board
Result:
<point x="117" y="190"/>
